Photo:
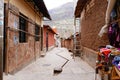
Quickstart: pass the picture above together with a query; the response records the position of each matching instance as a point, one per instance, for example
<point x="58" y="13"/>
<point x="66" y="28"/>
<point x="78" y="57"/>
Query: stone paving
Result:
<point x="42" y="69"/>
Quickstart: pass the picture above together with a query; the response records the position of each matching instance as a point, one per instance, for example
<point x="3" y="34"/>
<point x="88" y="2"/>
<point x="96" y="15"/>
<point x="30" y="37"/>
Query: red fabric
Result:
<point x="105" y="51"/>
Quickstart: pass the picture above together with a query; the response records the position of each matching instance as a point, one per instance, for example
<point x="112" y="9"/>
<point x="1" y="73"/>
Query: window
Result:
<point x="41" y="33"/>
<point x="37" y="32"/>
<point x="23" y="27"/>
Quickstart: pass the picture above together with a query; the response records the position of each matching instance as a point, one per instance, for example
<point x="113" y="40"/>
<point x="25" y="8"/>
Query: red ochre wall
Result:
<point x="51" y="40"/>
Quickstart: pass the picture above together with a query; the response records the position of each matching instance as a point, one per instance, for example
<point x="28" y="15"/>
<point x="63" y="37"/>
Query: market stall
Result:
<point x="108" y="61"/>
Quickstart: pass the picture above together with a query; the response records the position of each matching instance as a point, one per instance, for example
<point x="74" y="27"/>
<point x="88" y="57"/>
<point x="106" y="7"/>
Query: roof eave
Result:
<point x="81" y="4"/>
<point x="42" y="8"/>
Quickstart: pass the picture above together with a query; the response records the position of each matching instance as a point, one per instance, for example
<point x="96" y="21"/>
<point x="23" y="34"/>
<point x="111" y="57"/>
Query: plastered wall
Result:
<point x="51" y="40"/>
<point x="26" y="10"/>
<point x="19" y="54"/>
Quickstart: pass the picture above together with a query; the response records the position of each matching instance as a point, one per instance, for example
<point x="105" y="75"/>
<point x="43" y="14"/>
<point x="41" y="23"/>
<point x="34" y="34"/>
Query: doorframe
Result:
<point x="47" y="41"/>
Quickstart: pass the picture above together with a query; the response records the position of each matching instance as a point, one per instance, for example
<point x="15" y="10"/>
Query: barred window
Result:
<point x="37" y="32"/>
<point x="23" y="27"/>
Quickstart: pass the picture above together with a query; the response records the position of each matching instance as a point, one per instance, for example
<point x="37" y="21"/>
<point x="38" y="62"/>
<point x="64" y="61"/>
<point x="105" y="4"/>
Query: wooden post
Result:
<point x="35" y="34"/>
<point x="46" y="41"/>
<point x="7" y="39"/>
<point x="40" y="41"/>
<point x="7" y="54"/>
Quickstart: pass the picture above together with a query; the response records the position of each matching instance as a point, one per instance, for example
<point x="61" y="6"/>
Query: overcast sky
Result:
<point x="50" y="4"/>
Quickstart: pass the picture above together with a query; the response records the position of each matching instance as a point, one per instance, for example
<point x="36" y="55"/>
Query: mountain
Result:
<point x="63" y="12"/>
<point x="63" y="19"/>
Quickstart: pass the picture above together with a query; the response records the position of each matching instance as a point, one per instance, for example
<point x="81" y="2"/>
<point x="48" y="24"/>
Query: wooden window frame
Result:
<point x="37" y="32"/>
<point x="23" y="27"/>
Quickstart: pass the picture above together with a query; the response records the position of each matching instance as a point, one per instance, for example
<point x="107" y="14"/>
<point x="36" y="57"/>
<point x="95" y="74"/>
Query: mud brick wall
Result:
<point x="31" y="40"/>
<point x="37" y="49"/>
<point x="51" y="39"/>
<point x="11" y="46"/>
<point x="91" y="22"/>
<point x="20" y="54"/>
<point x="71" y="44"/>
<point x="68" y="44"/>
<point x="44" y="37"/>
<point x="90" y="56"/>
<point x="62" y="43"/>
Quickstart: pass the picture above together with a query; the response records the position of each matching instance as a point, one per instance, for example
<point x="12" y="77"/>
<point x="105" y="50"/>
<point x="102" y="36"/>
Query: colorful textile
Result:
<point x="114" y="28"/>
<point x="105" y="52"/>
<point x="114" y="35"/>
<point x="116" y="61"/>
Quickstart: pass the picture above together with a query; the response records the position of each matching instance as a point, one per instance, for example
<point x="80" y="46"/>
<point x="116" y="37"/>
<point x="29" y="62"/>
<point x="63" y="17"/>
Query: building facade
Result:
<point x="92" y="17"/>
<point x="48" y="40"/>
<point x="23" y="27"/>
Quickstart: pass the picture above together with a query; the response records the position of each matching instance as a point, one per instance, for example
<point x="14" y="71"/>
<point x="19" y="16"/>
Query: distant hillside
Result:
<point x="63" y="19"/>
<point x="63" y="12"/>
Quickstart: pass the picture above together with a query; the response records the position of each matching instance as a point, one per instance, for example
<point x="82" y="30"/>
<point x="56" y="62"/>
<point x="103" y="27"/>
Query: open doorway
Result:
<point x="46" y="41"/>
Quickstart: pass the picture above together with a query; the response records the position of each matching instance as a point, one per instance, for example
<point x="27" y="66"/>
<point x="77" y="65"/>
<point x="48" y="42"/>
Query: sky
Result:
<point x="50" y="4"/>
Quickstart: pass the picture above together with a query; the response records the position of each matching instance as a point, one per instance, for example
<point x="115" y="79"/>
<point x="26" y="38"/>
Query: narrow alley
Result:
<point x="42" y="69"/>
<point x="60" y="40"/>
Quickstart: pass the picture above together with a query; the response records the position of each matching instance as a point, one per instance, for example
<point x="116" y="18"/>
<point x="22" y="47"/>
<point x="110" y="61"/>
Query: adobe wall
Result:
<point x="44" y="37"/>
<point x="19" y="54"/>
<point x="92" y="19"/>
<point x="62" y="43"/>
<point x="51" y="40"/>
<point x="68" y="44"/>
<point x="89" y="56"/>
<point x="25" y="9"/>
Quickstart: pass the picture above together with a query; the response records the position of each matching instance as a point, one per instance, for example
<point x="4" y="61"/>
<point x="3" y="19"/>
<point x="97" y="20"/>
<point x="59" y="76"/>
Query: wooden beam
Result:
<point x="16" y="30"/>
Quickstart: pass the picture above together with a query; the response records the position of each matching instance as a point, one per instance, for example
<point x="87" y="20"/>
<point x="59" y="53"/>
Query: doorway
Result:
<point x="4" y="39"/>
<point x="46" y="41"/>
